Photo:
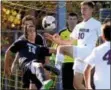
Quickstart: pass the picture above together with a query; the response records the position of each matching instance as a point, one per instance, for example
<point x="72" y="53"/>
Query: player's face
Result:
<point x="31" y="32"/>
<point x="72" y="20"/>
<point x="86" y="11"/>
<point x="28" y="22"/>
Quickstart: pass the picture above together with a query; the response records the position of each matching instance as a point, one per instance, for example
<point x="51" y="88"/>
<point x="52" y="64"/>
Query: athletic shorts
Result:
<point x="80" y="53"/>
<point x="30" y="75"/>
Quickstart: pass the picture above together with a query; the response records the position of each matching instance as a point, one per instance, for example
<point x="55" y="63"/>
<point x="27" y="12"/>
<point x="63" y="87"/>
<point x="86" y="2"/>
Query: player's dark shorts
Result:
<point x="28" y="78"/>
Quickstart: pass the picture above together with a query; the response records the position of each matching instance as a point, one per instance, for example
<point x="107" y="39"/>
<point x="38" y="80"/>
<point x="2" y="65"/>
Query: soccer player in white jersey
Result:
<point x="86" y="33"/>
<point x="101" y="59"/>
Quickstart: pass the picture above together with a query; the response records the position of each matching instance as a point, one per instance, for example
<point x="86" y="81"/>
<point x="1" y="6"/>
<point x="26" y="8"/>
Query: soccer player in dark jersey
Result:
<point x="29" y="54"/>
<point x="29" y="20"/>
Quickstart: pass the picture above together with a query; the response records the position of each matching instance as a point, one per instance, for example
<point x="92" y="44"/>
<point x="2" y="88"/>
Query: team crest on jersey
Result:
<point x="84" y="30"/>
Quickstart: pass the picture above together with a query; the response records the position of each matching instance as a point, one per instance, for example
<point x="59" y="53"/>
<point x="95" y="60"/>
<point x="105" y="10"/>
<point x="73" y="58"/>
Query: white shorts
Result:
<point x="80" y="53"/>
<point x="79" y="66"/>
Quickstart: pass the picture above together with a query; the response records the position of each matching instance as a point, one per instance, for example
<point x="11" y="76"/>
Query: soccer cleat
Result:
<point x="47" y="84"/>
<point x="52" y="69"/>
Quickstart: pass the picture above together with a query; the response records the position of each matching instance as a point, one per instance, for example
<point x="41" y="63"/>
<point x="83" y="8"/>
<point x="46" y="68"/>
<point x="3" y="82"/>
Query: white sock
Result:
<point x="59" y="59"/>
<point x="35" y="69"/>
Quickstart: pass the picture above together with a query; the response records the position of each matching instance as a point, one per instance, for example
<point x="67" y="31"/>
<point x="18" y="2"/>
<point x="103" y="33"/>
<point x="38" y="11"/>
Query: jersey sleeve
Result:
<point x="22" y="37"/>
<point x="44" y="51"/>
<point x="40" y="40"/>
<point x="15" y="47"/>
<point x="91" y="59"/>
<point x="74" y="33"/>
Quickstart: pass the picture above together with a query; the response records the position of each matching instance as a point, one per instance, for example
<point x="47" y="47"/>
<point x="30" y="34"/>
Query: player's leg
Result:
<point x="26" y="80"/>
<point x="79" y="66"/>
<point x="66" y="50"/>
<point x="61" y="51"/>
<point x="32" y="87"/>
<point x="36" y="70"/>
<point x="35" y="83"/>
<point x="78" y="81"/>
<point x="67" y="78"/>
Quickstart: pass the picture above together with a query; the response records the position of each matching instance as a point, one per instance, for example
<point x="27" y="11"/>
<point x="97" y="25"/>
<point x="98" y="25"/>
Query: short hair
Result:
<point x="72" y="14"/>
<point x="27" y="18"/>
<point x="89" y="3"/>
<point x="107" y="31"/>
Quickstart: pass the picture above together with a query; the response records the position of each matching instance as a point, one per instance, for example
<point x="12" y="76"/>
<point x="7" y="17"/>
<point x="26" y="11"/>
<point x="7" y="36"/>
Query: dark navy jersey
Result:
<point x="29" y="51"/>
<point x="39" y="41"/>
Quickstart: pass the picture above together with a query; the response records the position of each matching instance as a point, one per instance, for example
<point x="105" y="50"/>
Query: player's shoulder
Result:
<point x="39" y="35"/>
<point x="103" y="46"/>
<point x="79" y="24"/>
<point x="95" y="21"/>
<point x="22" y="37"/>
<point x="20" y="41"/>
<point x="62" y="31"/>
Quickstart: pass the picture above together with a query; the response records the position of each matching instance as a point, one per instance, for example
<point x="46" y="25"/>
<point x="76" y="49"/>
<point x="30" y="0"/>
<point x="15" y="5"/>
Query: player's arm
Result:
<point x="71" y="41"/>
<point x="52" y="50"/>
<point x="11" y="51"/>
<point x="8" y="62"/>
<point x="14" y="63"/>
<point x="90" y="61"/>
<point x="87" y="77"/>
<point x="99" y="41"/>
<point x="57" y="39"/>
<point x="45" y="51"/>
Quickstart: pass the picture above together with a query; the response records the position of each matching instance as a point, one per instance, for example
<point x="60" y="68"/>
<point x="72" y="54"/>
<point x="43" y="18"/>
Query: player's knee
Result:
<point x="36" y="65"/>
<point x="32" y="87"/>
<point x="78" y="79"/>
<point x="75" y="83"/>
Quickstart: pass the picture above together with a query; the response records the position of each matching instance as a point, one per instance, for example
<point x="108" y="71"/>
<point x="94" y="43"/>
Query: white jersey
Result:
<point x="101" y="59"/>
<point x="87" y="32"/>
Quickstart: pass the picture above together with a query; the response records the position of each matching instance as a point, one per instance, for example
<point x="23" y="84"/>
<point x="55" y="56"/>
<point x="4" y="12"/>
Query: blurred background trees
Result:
<point x="14" y="11"/>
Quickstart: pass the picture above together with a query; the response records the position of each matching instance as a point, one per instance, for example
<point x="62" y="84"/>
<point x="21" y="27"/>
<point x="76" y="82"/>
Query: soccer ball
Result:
<point x="49" y="23"/>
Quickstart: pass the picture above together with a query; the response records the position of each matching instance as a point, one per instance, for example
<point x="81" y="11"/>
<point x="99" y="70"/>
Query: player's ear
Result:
<point x="103" y="38"/>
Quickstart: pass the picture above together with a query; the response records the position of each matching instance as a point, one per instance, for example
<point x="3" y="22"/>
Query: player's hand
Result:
<point x="48" y="36"/>
<point x="56" y="38"/>
<point x="89" y="88"/>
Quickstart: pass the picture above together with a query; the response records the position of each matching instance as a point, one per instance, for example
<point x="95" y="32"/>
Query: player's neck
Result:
<point x="86" y="19"/>
<point x="32" y="41"/>
<point x="71" y="27"/>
